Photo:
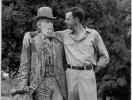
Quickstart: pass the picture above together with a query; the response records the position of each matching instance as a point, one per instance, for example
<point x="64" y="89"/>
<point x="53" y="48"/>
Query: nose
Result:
<point x="51" y="24"/>
<point x="65" y="21"/>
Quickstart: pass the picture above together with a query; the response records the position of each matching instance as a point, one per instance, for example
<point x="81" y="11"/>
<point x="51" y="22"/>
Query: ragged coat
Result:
<point x="32" y="66"/>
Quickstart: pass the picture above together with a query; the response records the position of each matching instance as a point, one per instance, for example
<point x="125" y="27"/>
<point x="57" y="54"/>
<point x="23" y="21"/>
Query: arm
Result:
<point x="24" y="70"/>
<point x="101" y="51"/>
<point x="60" y="35"/>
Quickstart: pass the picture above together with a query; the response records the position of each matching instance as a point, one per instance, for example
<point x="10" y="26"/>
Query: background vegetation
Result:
<point x="111" y="18"/>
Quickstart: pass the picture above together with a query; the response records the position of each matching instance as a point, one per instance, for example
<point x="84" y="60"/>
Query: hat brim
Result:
<point x="43" y="17"/>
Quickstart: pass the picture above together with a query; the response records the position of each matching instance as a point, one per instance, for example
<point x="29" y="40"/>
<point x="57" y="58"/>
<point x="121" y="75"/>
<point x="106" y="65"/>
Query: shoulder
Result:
<point x="92" y="31"/>
<point x="36" y="36"/>
<point x="36" y="40"/>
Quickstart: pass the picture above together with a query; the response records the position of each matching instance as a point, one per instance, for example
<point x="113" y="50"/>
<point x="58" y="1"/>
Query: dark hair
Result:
<point x="77" y="12"/>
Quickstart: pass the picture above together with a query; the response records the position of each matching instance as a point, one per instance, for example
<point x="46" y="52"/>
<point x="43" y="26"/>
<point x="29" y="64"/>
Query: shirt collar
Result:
<point x="83" y="36"/>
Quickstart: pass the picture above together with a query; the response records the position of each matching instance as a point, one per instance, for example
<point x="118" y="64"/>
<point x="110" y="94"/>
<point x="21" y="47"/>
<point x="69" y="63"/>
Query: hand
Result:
<point x="25" y="96"/>
<point x="17" y="90"/>
<point x="98" y="68"/>
<point x="121" y="81"/>
<point x="27" y="39"/>
<point x="28" y="89"/>
<point x="21" y="90"/>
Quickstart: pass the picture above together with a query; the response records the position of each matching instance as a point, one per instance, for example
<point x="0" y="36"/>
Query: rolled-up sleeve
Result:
<point x="59" y="35"/>
<point x="101" y="50"/>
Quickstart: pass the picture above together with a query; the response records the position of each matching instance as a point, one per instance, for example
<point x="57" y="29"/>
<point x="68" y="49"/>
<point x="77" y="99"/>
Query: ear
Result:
<point x="38" y="25"/>
<point x="76" y="18"/>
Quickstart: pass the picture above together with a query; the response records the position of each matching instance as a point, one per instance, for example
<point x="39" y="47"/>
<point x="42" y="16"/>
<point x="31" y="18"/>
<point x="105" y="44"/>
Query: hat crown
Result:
<point x="45" y="12"/>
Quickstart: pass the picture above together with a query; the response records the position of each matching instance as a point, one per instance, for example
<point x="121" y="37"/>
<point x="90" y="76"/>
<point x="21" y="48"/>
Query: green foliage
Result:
<point x="111" y="18"/>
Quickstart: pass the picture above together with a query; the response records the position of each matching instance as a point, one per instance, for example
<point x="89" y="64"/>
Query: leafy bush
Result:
<point x="111" y="18"/>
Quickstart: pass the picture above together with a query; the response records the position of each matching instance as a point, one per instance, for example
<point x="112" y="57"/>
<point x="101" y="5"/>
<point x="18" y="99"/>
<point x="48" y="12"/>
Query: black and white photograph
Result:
<point x="65" y="50"/>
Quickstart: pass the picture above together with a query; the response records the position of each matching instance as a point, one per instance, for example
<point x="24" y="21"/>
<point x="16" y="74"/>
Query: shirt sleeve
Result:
<point x="59" y="35"/>
<point x="103" y="57"/>
<point x="24" y="69"/>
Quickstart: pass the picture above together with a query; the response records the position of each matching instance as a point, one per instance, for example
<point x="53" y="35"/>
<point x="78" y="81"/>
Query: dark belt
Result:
<point x="88" y="67"/>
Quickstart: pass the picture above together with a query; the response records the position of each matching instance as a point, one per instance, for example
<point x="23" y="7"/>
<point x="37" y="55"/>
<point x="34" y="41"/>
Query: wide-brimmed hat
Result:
<point x="44" y="13"/>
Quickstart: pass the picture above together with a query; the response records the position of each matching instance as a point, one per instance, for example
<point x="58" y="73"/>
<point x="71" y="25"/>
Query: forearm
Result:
<point x="24" y="69"/>
<point x="57" y="36"/>
<point x="102" y="61"/>
<point x="23" y="76"/>
<point x="103" y="57"/>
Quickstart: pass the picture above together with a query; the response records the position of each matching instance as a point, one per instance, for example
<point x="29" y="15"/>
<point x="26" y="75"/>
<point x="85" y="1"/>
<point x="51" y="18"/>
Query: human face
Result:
<point x="45" y="25"/>
<point x="69" y="20"/>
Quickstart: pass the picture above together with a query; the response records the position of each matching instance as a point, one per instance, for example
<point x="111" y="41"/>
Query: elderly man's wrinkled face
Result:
<point x="69" y="20"/>
<point x="45" y="25"/>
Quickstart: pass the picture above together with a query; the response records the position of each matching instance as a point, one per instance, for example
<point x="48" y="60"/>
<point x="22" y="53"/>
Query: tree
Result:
<point x="111" y="18"/>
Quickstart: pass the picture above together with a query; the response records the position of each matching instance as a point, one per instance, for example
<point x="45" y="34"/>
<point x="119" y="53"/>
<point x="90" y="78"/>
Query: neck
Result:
<point x="78" y="29"/>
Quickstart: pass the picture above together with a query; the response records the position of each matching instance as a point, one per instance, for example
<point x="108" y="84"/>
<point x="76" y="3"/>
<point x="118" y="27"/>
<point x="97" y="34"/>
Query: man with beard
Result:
<point x="41" y="72"/>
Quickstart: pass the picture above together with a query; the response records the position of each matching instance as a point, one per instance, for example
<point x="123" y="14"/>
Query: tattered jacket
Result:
<point x="32" y="66"/>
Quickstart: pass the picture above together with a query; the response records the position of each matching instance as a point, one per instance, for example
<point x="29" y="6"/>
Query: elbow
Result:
<point x="107" y="59"/>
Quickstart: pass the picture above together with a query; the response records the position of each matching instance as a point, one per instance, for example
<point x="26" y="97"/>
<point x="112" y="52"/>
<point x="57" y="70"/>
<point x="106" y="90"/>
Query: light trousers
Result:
<point x="81" y="84"/>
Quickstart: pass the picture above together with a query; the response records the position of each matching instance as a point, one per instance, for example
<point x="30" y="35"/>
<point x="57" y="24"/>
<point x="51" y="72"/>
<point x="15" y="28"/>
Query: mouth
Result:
<point x="50" y="28"/>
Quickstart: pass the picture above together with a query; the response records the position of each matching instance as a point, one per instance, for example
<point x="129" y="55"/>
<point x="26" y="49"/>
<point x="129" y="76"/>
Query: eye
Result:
<point x="49" y="21"/>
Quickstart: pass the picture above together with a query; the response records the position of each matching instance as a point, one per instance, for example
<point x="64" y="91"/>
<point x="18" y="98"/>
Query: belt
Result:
<point x="88" y="67"/>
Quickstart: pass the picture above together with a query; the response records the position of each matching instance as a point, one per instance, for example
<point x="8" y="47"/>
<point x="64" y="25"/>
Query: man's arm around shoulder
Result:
<point x="60" y="35"/>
